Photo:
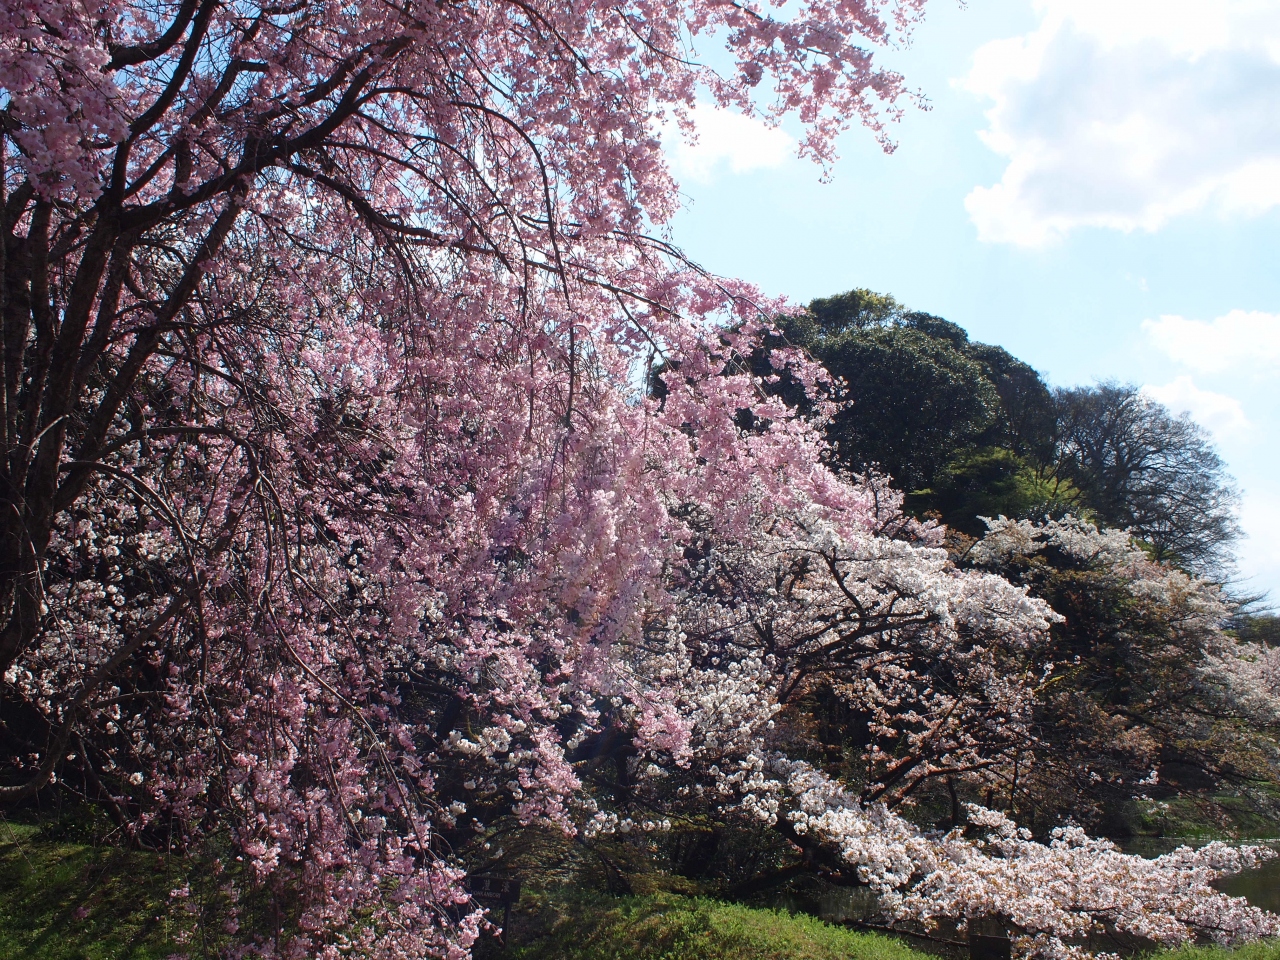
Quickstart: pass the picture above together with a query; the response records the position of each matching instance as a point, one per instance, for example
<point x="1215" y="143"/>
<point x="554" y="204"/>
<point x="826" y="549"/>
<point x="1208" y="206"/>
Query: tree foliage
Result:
<point x="913" y="395"/>
<point x="1140" y="467"/>
<point x="1259" y="628"/>
<point x="1137" y="700"/>
<point x="970" y="431"/>
<point x="964" y="427"/>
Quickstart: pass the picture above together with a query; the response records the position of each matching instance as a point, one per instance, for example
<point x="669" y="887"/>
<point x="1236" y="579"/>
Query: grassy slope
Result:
<point x="65" y="901"/>
<point x="62" y="901"/>
<point x="671" y="927"/>
<point x="1269" y="950"/>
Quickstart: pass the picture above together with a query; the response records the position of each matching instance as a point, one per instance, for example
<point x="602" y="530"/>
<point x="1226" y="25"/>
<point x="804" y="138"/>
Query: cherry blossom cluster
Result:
<point x="1245" y="677"/>
<point x="1054" y="895"/>
<point x="1146" y="651"/>
<point x="935" y="657"/>
<point x="1249" y="676"/>
<point x="806" y="601"/>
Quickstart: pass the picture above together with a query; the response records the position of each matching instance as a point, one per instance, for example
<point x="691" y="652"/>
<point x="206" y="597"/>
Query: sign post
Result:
<point x="495" y="891"/>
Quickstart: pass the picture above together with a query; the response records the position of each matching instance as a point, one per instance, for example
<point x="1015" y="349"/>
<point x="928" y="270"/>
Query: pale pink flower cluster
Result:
<point x="1054" y="895"/>
<point x="1075" y="537"/>
<point x="810" y="600"/>
<point x="1248" y="674"/>
<point x="1245" y="677"/>
<point x="933" y="655"/>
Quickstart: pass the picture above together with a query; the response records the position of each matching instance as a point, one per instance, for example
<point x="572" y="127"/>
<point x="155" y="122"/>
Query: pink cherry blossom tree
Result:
<point x="334" y="510"/>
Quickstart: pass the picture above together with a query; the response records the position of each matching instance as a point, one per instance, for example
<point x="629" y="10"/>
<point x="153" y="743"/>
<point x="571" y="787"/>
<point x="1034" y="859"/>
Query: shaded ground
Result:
<point x="68" y="901"/>
<point x="63" y="900"/>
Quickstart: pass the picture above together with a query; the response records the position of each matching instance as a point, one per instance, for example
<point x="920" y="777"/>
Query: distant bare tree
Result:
<point x="1139" y="466"/>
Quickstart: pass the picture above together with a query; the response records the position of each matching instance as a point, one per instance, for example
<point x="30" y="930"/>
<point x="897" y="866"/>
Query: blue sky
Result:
<point x="1096" y="188"/>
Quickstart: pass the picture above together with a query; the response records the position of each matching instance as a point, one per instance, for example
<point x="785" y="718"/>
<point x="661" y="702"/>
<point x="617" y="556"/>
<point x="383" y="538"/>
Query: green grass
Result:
<point x="61" y="900"/>
<point x="672" y="927"/>
<point x="1265" y="950"/>
<point x="67" y="901"/>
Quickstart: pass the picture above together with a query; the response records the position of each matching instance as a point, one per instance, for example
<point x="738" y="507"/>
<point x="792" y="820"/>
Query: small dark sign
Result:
<point x="503" y="890"/>
<point x="496" y="891"/>
<point x="989" y="948"/>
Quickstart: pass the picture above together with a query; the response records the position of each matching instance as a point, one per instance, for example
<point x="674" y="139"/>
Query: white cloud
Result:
<point x="725" y="138"/>
<point x="1220" y="414"/>
<point x="1239" y="341"/>
<point x="1126" y="113"/>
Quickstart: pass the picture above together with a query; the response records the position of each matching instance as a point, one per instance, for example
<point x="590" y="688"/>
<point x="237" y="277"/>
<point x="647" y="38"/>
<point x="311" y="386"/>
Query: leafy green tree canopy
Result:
<point x="941" y="414"/>
<point x="968" y="430"/>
